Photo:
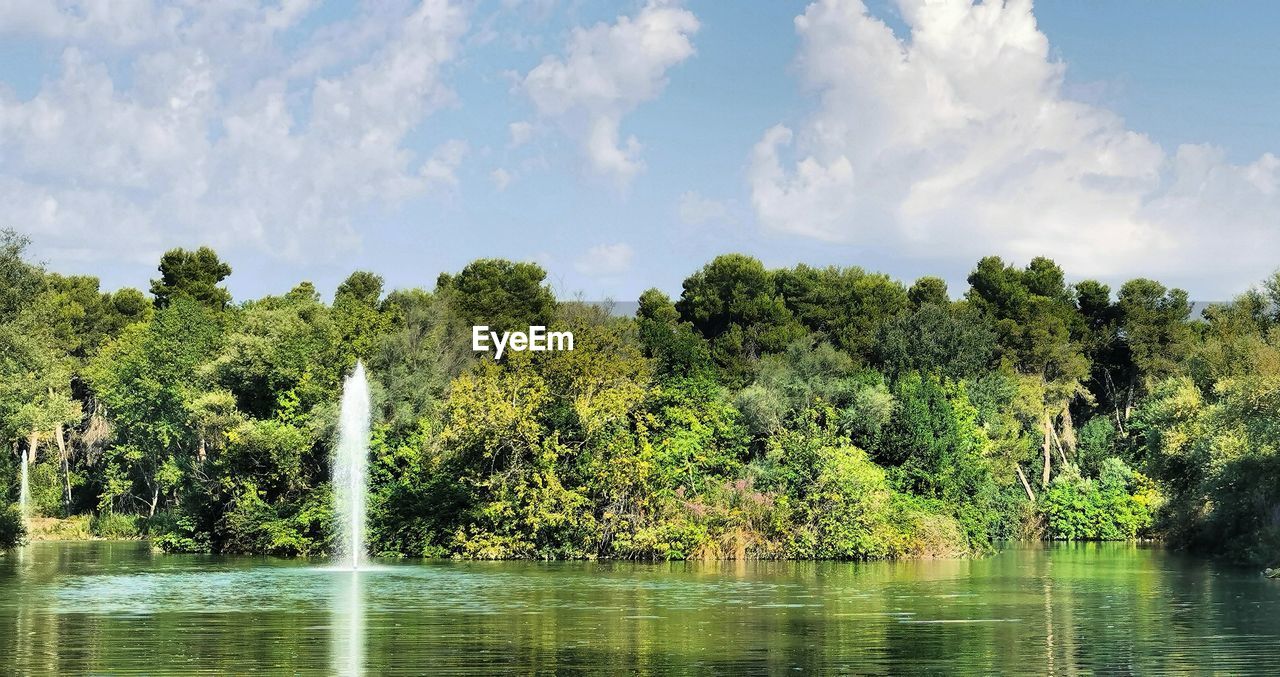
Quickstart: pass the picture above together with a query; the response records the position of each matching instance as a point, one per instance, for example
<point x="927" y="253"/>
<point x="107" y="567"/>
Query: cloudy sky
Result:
<point x="622" y="145"/>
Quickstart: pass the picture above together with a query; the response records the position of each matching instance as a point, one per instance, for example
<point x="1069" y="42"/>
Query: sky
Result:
<point x="624" y="145"/>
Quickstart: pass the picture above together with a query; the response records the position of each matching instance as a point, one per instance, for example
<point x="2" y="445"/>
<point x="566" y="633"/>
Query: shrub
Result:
<point x="115" y="525"/>
<point x="1117" y="506"/>
<point x="12" y="530"/>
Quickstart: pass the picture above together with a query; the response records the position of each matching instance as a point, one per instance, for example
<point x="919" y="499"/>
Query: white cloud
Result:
<point x="520" y="133"/>
<point x="605" y="73"/>
<point x="119" y="23"/>
<point x="501" y="178"/>
<point x="215" y="134"/>
<point x="958" y="140"/>
<point x="606" y="259"/>
<point x="696" y="210"/>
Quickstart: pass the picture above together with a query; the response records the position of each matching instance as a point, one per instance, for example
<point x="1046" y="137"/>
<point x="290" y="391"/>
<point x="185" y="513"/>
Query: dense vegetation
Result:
<point x="803" y="412"/>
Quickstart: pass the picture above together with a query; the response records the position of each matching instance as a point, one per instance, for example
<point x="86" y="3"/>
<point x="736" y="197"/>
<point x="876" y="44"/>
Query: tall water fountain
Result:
<point x="350" y="469"/>
<point x="24" y="493"/>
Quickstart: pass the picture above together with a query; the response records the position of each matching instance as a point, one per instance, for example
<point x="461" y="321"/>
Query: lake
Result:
<point x="114" y="607"/>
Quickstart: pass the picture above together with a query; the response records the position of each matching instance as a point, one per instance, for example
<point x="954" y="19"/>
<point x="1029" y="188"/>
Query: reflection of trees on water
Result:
<point x="1057" y="609"/>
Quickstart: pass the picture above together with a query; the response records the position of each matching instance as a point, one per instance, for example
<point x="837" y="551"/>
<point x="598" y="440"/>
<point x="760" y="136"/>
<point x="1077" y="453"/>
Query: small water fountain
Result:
<point x="350" y="470"/>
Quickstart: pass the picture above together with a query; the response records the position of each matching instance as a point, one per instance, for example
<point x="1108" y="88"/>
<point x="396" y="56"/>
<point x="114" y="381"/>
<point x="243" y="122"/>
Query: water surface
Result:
<point x="1061" y="609"/>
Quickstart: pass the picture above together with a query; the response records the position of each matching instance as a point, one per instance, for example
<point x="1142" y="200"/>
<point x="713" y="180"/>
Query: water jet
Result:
<point x="350" y="470"/>
<point x="24" y="494"/>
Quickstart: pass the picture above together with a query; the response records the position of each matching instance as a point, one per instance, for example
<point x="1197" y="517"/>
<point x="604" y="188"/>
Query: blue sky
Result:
<point x="305" y="140"/>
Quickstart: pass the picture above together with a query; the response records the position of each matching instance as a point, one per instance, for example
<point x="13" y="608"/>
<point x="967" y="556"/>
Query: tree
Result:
<point x="20" y="281"/>
<point x="357" y="317"/>
<point x="677" y="348"/>
<point x="503" y="295"/>
<point x="194" y="274"/>
<point x="282" y="351"/>
<point x="416" y="358"/>
<point x="1153" y="320"/>
<point x="146" y="379"/>
<point x="928" y="290"/>
<point x="734" y="304"/>
<point x="955" y="342"/>
<point x="1039" y="333"/>
<point x="37" y="343"/>
<point x="362" y="287"/>
<point x="848" y="306"/>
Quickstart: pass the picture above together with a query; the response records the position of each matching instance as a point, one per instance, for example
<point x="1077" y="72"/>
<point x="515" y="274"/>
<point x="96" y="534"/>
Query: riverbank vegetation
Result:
<point x="792" y="413"/>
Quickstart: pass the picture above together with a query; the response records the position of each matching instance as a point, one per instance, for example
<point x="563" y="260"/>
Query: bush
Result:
<point x="177" y="532"/>
<point x="12" y="530"/>
<point x="115" y="525"/>
<point x="1097" y="443"/>
<point x="47" y="488"/>
<point x="1117" y="506"/>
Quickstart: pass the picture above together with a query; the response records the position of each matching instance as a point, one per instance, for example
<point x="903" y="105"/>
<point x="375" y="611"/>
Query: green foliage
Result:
<point x="146" y="378"/>
<point x="803" y="412"/>
<point x="357" y="319"/>
<point x="734" y="303"/>
<point x="12" y="531"/>
<point x="841" y="505"/>
<point x="20" y="281"/>
<point x="1214" y="449"/>
<point x="955" y="342"/>
<point x="928" y="290"/>
<point x="1118" y="505"/>
<point x="677" y="348"/>
<point x="281" y="345"/>
<point x="503" y="295"/>
<point x="194" y="275"/>
<point x="46" y="488"/>
<point x="848" y="306"/>
<point x="114" y="525"/>
<point x="1098" y="438"/>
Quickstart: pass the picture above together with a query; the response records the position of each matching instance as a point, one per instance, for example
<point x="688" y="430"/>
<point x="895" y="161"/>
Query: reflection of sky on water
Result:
<point x="391" y="588"/>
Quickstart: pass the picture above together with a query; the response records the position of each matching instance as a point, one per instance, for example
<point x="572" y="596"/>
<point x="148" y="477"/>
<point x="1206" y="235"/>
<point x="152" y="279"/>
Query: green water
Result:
<point x="103" y="607"/>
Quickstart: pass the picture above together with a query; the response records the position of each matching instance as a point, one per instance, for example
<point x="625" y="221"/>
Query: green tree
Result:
<point x="281" y="352"/>
<point x="678" y="349"/>
<point x="1153" y="320"/>
<point x="146" y="378"/>
<point x="928" y="290"/>
<point x="848" y="306"/>
<point x="503" y="295"/>
<point x="733" y="302"/>
<point x="1039" y="333"/>
<point x="358" y="318"/>
<point x="20" y="281"/>
<point x="194" y="274"/>
<point x="955" y="342"/>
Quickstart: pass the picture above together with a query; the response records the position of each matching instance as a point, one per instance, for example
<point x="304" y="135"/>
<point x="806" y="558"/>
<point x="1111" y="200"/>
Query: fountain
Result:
<point x="350" y="469"/>
<point x="24" y="494"/>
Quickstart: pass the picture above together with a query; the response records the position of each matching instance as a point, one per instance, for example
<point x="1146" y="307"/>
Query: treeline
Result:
<point x="802" y="412"/>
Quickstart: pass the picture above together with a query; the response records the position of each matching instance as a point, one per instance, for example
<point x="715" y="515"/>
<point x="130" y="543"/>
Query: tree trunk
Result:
<point x="1025" y="484"/>
<point x="155" y="498"/>
<point x="1068" y="435"/>
<point x="201" y="451"/>
<point x="1048" y="451"/>
<point x="65" y="457"/>
<point x="33" y="444"/>
<point x="1057" y="441"/>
